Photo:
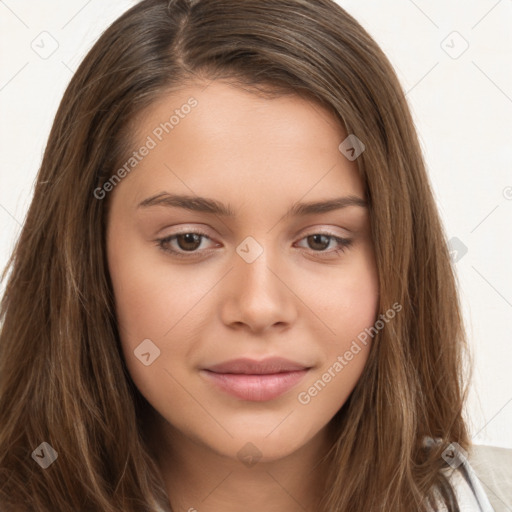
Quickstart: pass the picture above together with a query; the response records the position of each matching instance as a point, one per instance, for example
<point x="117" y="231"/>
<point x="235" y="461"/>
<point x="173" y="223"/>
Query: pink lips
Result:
<point x="256" y="380"/>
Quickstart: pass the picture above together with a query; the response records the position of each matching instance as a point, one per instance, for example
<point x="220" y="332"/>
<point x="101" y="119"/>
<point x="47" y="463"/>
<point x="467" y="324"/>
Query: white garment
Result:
<point x="471" y="496"/>
<point x="468" y="489"/>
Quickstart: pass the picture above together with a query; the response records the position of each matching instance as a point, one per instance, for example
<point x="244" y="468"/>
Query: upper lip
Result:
<point x="254" y="367"/>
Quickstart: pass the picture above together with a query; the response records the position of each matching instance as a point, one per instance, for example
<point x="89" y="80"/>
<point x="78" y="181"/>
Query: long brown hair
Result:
<point x="62" y="376"/>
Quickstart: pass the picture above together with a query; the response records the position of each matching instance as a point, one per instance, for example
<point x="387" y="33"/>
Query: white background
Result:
<point x="462" y="108"/>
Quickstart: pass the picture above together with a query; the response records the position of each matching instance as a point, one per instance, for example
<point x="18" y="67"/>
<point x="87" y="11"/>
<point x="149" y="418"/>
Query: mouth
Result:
<point x="256" y="381"/>
<point x="256" y="388"/>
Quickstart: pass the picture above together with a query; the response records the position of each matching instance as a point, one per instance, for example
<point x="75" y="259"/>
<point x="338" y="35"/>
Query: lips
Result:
<point x="258" y="381"/>
<point x="253" y="367"/>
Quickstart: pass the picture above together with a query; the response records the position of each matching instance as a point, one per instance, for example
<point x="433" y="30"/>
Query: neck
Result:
<point x="197" y="478"/>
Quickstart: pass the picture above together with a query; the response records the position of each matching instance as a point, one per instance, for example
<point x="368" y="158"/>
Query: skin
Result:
<point x="299" y="299"/>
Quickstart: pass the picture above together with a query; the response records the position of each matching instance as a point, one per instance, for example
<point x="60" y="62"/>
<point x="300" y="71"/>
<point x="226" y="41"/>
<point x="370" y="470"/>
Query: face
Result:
<point x="196" y="285"/>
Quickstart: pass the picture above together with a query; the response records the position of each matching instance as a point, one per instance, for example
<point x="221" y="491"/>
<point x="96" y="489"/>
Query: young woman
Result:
<point x="232" y="290"/>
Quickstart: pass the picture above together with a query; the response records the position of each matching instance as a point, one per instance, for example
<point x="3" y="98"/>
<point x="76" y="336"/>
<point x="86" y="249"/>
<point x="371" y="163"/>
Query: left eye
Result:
<point x="190" y="241"/>
<point x="324" y="239"/>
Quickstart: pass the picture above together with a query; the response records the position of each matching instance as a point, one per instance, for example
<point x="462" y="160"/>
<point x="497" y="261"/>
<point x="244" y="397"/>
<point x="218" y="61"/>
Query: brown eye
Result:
<point x="182" y="243"/>
<point x="188" y="241"/>
<point x="318" y="242"/>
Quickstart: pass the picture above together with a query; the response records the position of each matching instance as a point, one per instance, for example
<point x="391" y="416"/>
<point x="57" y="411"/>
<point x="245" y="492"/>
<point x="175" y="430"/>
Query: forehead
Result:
<point x="223" y="138"/>
<point x="225" y="113"/>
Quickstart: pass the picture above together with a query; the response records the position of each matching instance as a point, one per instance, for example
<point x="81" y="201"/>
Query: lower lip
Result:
<point x="257" y="388"/>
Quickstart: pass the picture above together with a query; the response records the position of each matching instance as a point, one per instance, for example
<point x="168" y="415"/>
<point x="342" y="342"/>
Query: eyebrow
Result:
<point x="212" y="206"/>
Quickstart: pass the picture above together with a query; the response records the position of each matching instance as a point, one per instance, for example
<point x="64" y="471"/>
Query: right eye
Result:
<point x="188" y="243"/>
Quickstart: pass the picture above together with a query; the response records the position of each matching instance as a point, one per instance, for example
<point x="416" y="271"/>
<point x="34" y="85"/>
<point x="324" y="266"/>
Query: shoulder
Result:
<point x="468" y="489"/>
<point x="470" y="493"/>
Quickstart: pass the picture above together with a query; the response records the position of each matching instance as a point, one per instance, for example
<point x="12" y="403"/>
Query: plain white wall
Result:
<point x="461" y="99"/>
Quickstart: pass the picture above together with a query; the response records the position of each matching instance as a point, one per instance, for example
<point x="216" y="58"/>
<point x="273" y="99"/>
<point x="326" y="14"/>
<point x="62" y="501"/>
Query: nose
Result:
<point x="258" y="295"/>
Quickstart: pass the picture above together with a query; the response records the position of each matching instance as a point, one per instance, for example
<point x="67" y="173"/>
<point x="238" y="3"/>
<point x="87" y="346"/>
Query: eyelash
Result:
<point x="344" y="243"/>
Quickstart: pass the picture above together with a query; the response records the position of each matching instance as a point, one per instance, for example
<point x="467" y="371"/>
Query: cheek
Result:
<point x="149" y="302"/>
<point x="348" y="301"/>
<point x="350" y="310"/>
<point x="151" y="296"/>
<point x="156" y="302"/>
<point x="361" y="303"/>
